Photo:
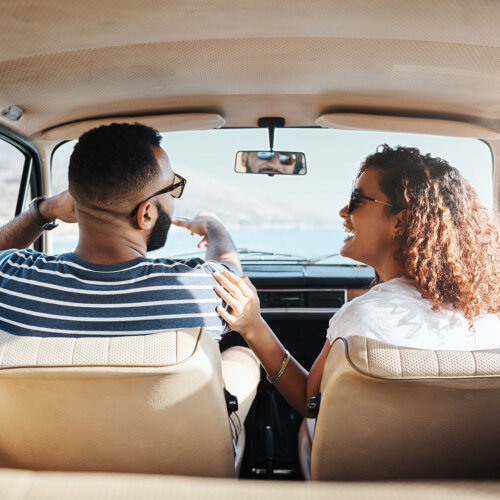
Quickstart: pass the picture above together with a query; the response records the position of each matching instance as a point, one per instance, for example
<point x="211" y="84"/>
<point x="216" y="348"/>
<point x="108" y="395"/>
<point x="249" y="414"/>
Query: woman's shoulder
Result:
<point x="355" y="313"/>
<point x="397" y="290"/>
<point x="374" y="312"/>
<point x="398" y="286"/>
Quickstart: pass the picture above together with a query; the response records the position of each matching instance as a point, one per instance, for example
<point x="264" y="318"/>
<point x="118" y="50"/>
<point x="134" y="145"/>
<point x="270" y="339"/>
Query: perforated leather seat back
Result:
<point x="391" y="412"/>
<point x="151" y="404"/>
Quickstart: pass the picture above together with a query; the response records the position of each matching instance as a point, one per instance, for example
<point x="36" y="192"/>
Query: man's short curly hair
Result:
<point x="112" y="161"/>
<point x="448" y="245"/>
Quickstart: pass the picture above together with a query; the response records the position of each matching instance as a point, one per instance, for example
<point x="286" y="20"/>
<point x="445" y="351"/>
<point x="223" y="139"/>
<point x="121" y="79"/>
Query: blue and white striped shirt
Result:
<point x="63" y="295"/>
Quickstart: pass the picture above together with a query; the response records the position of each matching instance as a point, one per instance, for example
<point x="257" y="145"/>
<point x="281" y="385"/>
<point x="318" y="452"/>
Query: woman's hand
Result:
<point x="241" y="296"/>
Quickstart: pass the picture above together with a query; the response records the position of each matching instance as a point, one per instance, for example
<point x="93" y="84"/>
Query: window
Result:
<point x="65" y="235"/>
<point x="11" y="174"/>
<point x="283" y="214"/>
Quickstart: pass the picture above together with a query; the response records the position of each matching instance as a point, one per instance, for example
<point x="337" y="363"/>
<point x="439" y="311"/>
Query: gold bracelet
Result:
<point x="281" y="369"/>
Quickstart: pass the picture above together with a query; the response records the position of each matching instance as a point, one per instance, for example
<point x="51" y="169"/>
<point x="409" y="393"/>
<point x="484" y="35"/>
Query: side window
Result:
<point x="65" y="237"/>
<point x="11" y="181"/>
<point x="60" y="161"/>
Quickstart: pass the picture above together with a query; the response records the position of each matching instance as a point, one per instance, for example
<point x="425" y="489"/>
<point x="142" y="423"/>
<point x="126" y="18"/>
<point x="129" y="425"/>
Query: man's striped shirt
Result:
<point x="63" y="295"/>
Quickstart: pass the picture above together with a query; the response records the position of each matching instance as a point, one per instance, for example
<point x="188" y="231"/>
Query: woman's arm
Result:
<point x="295" y="384"/>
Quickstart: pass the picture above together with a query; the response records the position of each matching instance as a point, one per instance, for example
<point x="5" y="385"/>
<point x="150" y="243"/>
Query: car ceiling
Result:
<point x="64" y="61"/>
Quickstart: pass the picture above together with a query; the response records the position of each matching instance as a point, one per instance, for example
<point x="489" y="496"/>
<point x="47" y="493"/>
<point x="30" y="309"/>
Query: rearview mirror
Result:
<point x="270" y="162"/>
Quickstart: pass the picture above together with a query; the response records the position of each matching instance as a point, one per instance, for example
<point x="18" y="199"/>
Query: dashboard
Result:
<point x="307" y="290"/>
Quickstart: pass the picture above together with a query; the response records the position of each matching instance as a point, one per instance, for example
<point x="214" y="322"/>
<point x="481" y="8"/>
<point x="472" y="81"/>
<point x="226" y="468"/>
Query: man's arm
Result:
<point x="216" y="239"/>
<point x="25" y="229"/>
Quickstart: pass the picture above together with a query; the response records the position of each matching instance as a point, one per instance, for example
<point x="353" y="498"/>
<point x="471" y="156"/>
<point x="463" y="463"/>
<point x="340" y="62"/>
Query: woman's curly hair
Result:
<point x="448" y="244"/>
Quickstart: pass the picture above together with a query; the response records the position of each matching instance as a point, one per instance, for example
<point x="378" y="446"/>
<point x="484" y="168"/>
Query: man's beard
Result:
<point x="158" y="235"/>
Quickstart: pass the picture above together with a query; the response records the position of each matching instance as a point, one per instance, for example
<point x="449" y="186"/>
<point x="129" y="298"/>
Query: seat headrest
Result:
<point x="158" y="349"/>
<point x="378" y="359"/>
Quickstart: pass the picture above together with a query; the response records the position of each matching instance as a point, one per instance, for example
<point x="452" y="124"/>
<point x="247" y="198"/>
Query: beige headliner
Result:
<point x="65" y="61"/>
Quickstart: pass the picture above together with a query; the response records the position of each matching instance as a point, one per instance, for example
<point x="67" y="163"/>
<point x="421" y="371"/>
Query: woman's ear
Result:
<point x="399" y="222"/>
<point x="145" y="215"/>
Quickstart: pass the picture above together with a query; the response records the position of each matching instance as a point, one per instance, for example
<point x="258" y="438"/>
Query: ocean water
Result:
<point x="300" y="242"/>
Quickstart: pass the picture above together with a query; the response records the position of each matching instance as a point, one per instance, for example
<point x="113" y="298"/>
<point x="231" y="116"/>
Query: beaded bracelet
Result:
<point x="281" y="369"/>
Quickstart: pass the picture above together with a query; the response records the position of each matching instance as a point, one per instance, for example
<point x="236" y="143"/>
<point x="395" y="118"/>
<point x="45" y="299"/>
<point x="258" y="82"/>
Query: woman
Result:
<point x="436" y="255"/>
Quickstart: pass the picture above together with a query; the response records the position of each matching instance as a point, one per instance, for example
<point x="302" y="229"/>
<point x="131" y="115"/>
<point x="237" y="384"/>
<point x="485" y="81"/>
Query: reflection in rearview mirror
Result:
<point x="270" y="162"/>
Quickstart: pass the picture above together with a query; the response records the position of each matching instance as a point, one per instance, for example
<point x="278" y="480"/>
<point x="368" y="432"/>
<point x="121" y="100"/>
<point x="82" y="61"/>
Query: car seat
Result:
<point x="390" y="412"/>
<point x="146" y="403"/>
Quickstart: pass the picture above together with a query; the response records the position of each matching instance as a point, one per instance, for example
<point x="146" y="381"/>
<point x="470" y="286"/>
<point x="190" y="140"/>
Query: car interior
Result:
<point x="297" y="93"/>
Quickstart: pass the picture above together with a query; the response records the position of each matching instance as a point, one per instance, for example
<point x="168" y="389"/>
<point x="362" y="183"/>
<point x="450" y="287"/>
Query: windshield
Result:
<point x="285" y="218"/>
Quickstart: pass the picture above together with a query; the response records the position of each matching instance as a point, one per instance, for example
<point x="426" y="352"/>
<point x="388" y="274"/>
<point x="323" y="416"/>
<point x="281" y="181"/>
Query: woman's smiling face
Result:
<point x="371" y="230"/>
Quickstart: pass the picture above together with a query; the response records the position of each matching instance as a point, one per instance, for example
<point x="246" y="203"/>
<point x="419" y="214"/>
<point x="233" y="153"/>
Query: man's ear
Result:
<point x="146" y="215"/>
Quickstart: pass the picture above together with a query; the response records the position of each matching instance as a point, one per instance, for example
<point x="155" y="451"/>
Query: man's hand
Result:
<point x="214" y="237"/>
<point x="201" y="224"/>
<point x="60" y="206"/>
<point x="23" y="230"/>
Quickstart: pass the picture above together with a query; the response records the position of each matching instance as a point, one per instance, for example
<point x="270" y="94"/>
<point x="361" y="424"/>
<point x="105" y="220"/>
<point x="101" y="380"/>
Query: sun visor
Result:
<point x="405" y="124"/>
<point x="162" y="123"/>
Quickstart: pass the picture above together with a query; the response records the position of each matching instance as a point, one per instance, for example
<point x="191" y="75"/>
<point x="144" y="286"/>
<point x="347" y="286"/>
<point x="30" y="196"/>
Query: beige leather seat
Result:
<point x="392" y="412"/>
<point x="28" y="485"/>
<point x="151" y="404"/>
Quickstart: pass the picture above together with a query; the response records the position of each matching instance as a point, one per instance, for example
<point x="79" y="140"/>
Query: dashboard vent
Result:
<point x="281" y="298"/>
<point x="330" y="299"/>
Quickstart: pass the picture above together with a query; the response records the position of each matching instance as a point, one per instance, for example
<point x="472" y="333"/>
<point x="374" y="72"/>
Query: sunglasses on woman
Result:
<point x="356" y="198"/>
<point x="176" y="189"/>
<point x="284" y="158"/>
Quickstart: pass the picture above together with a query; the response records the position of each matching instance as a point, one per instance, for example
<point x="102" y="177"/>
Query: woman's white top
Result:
<point x="395" y="312"/>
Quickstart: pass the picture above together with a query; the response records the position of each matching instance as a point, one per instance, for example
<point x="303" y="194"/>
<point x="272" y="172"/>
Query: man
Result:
<point x="121" y="193"/>
<point x="271" y="162"/>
